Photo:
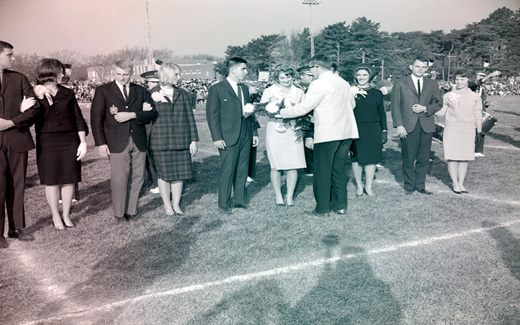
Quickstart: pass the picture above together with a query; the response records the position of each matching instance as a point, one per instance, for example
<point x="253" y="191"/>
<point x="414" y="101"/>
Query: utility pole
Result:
<point x="311" y="3"/>
<point x="150" y="50"/>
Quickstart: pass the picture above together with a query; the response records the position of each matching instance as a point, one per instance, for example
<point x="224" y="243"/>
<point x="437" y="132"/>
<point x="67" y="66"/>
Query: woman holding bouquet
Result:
<point x="173" y="139"/>
<point x="463" y="110"/>
<point x="61" y="142"/>
<point x="284" y="143"/>
<point x="371" y="121"/>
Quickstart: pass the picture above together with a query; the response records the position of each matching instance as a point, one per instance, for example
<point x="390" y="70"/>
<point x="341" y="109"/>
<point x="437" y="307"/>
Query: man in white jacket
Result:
<point x="334" y="128"/>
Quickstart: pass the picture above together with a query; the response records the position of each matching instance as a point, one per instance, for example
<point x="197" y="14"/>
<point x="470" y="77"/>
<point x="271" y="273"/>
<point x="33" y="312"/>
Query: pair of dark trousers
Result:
<point x="415" y="151"/>
<point x="127" y="177"/>
<point x="13" y="169"/>
<point x="330" y="175"/>
<point x="309" y="153"/>
<point x="234" y="167"/>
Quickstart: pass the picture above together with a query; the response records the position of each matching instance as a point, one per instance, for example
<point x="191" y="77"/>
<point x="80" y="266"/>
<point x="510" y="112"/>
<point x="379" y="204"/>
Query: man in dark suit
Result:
<point x="415" y="99"/>
<point x="232" y="133"/>
<point x="17" y="110"/>
<point x="119" y="112"/>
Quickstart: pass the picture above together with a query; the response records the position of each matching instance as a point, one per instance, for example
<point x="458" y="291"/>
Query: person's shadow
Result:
<point x="128" y="270"/>
<point x="509" y="247"/>
<point x="346" y="292"/>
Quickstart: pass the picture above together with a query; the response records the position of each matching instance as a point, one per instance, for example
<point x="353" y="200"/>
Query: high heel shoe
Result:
<point x="72" y="225"/>
<point x="57" y="228"/>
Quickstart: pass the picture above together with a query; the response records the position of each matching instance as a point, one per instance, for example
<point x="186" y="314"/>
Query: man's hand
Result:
<point x="193" y="148"/>
<point x="309" y="143"/>
<point x="103" y="151"/>
<point x="122" y="117"/>
<point x="256" y="140"/>
<point x="5" y="124"/>
<point x="418" y="108"/>
<point x="220" y="144"/>
<point x="82" y="151"/>
<point x="384" y="137"/>
<point x="401" y="131"/>
<point x="27" y="103"/>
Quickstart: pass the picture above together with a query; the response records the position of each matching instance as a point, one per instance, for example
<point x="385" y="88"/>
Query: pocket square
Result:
<point x="225" y="100"/>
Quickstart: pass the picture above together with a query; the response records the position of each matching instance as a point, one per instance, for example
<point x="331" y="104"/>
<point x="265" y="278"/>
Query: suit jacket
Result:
<point x="107" y="130"/>
<point x="14" y="86"/>
<point x="174" y="128"/>
<point x="224" y="112"/>
<point x="64" y="115"/>
<point x="404" y="96"/>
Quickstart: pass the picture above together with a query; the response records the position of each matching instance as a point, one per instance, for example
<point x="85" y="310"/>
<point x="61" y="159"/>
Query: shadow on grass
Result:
<point x="504" y="138"/>
<point x="346" y="292"/>
<point x="128" y="270"/>
<point x="508" y="245"/>
<point x="393" y="162"/>
<point x="507" y="112"/>
<point x="94" y="199"/>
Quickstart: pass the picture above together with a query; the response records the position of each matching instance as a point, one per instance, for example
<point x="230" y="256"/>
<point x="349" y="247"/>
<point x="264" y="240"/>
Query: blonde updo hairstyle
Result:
<point x="167" y="73"/>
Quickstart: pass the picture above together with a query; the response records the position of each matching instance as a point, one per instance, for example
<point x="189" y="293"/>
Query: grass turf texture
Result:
<point x="393" y="259"/>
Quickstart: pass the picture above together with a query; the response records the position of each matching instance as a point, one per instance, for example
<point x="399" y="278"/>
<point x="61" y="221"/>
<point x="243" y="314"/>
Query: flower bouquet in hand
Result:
<point x="356" y="91"/>
<point x="452" y="99"/>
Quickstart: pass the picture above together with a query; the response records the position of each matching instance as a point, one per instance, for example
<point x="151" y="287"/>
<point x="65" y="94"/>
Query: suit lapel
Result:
<point x="409" y="81"/>
<point x="227" y="85"/>
<point x="5" y="81"/>
<point x="118" y="92"/>
<point x="132" y="92"/>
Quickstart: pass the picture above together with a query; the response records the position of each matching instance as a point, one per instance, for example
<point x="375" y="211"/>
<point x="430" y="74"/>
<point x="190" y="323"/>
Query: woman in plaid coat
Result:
<point x="174" y="137"/>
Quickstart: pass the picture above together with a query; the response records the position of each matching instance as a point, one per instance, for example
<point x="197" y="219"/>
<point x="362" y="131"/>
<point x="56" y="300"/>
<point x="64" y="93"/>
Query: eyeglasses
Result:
<point x="314" y="66"/>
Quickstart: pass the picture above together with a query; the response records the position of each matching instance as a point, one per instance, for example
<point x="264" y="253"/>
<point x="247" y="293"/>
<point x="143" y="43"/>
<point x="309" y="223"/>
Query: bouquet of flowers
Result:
<point x="41" y="91"/>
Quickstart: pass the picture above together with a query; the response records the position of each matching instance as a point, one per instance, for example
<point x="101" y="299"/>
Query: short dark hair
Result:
<point x="48" y="70"/>
<point x="465" y="73"/>
<point x="322" y="61"/>
<point x="421" y="59"/>
<point x="5" y="45"/>
<point x="234" y="61"/>
<point x="124" y="64"/>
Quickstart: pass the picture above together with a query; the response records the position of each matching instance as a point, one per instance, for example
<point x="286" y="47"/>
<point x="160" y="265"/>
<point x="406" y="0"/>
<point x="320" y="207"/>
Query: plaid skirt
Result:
<point x="173" y="165"/>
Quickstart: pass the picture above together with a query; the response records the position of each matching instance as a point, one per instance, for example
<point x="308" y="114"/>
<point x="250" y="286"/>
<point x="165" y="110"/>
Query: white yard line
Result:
<point x="272" y="273"/>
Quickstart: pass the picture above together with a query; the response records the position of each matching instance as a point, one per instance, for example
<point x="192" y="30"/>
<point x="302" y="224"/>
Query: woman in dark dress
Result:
<point x="174" y="137"/>
<point x="61" y="141"/>
<point x="371" y="121"/>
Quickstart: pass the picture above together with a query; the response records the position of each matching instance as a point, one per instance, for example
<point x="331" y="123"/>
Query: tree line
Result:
<point x="493" y="42"/>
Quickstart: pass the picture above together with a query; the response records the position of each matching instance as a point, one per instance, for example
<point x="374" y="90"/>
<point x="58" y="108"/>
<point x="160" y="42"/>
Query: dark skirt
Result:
<point x="173" y="165"/>
<point x="367" y="149"/>
<point x="56" y="158"/>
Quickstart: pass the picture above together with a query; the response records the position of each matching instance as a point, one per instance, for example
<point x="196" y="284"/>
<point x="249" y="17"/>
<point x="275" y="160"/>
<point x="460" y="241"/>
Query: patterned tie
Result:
<point x="125" y="93"/>
<point x="419" y="87"/>
<point x="240" y="95"/>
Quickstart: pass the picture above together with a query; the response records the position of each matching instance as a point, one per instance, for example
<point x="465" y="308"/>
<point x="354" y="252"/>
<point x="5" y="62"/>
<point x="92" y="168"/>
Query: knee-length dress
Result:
<point x="284" y="144"/>
<point x="171" y="135"/>
<point x="463" y="108"/>
<point x="371" y="121"/>
<point x="57" y="126"/>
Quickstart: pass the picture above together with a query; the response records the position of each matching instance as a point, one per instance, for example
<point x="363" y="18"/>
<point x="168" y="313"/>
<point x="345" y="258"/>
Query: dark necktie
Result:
<point x="125" y="93"/>
<point x="419" y="87"/>
<point x="240" y="94"/>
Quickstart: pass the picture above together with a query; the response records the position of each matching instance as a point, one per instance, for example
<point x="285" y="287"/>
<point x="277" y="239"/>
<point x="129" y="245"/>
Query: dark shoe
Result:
<point x="465" y="192"/>
<point x="72" y="225"/>
<point x="280" y="205"/>
<point x="57" y="228"/>
<point x="224" y="210"/>
<point x="241" y="206"/>
<point x="458" y="192"/>
<point x="13" y="233"/>
<point x="20" y="235"/>
<point x="130" y="216"/>
<point x="178" y="213"/>
<point x="341" y="211"/>
<point x="425" y="192"/>
<point x="319" y="214"/>
<point x="121" y="219"/>
<point x="408" y="192"/>
<point x="3" y="242"/>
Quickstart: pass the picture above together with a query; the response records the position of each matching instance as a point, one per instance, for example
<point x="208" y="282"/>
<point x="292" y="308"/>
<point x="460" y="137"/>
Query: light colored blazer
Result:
<point x="333" y="104"/>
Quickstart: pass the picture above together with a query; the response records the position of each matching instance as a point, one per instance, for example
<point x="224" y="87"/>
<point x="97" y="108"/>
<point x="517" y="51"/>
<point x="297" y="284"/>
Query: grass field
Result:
<point x="439" y="259"/>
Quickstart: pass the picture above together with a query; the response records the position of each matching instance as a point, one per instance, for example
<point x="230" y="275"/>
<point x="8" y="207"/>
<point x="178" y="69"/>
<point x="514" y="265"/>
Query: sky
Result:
<point x="209" y="26"/>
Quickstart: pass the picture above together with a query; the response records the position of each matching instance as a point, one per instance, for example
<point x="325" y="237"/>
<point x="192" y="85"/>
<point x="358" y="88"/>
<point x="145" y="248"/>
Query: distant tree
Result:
<point x="102" y="65"/>
<point x="26" y="64"/>
<point x="163" y="54"/>
<point x="67" y="56"/>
